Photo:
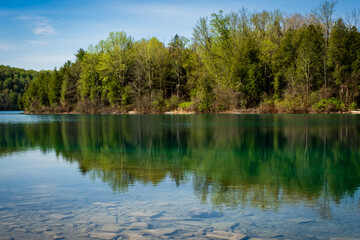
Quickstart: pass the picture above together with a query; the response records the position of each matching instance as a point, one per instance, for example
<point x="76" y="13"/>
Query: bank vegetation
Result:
<point x="264" y="61"/>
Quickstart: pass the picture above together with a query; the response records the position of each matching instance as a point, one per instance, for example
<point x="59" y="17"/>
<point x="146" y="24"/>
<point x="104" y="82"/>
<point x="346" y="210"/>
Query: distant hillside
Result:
<point x="13" y="82"/>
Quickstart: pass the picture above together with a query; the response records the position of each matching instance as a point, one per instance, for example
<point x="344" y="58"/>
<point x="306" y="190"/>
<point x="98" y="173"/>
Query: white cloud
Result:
<point x="39" y="25"/>
<point x="44" y="28"/>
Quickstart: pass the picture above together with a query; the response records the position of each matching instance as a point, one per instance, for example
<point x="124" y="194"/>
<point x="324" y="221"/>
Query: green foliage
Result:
<point x="344" y="50"/>
<point x="185" y="105"/>
<point x="112" y="67"/>
<point x="353" y="106"/>
<point x="13" y="82"/>
<point x="71" y="74"/>
<point x="206" y="100"/>
<point x="309" y="61"/>
<point x="159" y="104"/>
<point x="329" y="105"/>
<point x="236" y="60"/>
<point x="291" y="103"/>
<point x="126" y="96"/>
<point x="37" y="94"/>
<point x="55" y="88"/>
<point x="89" y="82"/>
<point x="172" y="103"/>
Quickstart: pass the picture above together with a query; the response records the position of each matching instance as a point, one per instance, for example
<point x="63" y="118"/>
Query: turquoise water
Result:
<point x="179" y="176"/>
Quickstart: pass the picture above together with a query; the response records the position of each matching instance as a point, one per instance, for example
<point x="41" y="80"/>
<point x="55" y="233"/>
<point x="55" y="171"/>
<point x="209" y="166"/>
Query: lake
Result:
<point x="179" y="176"/>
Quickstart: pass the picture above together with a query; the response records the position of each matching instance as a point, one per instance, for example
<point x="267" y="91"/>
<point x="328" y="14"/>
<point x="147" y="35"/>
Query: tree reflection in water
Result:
<point x="232" y="160"/>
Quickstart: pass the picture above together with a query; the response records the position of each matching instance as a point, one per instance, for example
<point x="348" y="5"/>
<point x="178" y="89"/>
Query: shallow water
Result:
<point x="179" y="176"/>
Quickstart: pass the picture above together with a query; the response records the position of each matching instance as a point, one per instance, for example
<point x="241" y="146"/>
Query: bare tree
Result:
<point x="324" y="14"/>
<point x="294" y="21"/>
<point x="353" y="18"/>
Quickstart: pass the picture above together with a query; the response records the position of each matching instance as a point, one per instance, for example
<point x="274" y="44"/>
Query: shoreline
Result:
<point x="185" y="112"/>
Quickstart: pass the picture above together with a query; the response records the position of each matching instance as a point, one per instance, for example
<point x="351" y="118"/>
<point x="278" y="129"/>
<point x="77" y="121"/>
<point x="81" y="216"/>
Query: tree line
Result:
<point x="267" y="60"/>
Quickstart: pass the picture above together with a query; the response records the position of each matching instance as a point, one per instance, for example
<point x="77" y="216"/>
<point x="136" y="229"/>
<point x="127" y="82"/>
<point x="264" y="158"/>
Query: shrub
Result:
<point x="172" y="103"/>
<point x="185" y="105"/>
<point x="226" y="99"/>
<point x="126" y="97"/>
<point x="267" y="106"/>
<point x="158" y="104"/>
<point x="353" y="106"/>
<point x="329" y="105"/>
<point x="291" y="103"/>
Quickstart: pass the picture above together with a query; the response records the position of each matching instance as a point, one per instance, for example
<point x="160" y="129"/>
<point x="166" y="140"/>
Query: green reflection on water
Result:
<point x="258" y="160"/>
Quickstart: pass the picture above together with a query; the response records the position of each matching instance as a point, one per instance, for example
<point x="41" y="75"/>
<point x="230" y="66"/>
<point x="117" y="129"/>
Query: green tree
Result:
<point x="343" y="59"/>
<point x="54" y="87"/>
<point x="177" y="52"/>
<point x="36" y="95"/>
<point x="13" y="82"/>
<point x="71" y="74"/>
<point x="113" y="67"/>
<point x="89" y="82"/>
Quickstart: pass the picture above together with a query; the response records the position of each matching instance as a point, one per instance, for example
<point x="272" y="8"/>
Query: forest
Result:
<point x="266" y="61"/>
<point x="12" y="85"/>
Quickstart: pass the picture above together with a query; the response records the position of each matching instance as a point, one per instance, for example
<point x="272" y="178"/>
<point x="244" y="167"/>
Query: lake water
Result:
<point x="179" y="176"/>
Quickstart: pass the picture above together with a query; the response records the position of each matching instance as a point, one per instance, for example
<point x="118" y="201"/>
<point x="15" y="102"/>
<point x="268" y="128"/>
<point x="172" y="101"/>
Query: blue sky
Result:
<point x="43" y="34"/>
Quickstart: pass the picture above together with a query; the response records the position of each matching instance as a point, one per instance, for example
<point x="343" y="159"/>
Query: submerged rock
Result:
<point x="140" y="226"/>
<point x="300" y="220"/>
<point x="58" y="237"/>
<point x="38" y="230"/>
<point x="204" y="213"/>
<point x="103" y="235"/>
<point x="20" y="230"/>
<point x="194" y="223"/>
<point x="271" y="235"/>
<point x="219" y="235"/>
<point x="60" y="216"/>
<point x="147" y="214"/>
<point x="225" y="226"/>
<point x="344" y="238"/>
<point x="52" y="233"/>
<point x="135" y="236"/>
<point x="259" y="238"/>
<point x="104" y="204"/>
<point x="163" y="232"/>
<point x="103" y="218"/>
<point x="5" y="238"/>
<point x="112" y="228"/>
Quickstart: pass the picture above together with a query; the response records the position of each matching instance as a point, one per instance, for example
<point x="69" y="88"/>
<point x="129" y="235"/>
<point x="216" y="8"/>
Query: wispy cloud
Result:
<point x="37" y="43"/>
<point x="5" y="13"/>
<point x="44" y="28"/>
<point x="185" y="10"/>
<point x="39" y="25"/>
<point x="6" y="47"/>
<point x="166" y="10"/>
<point x="40" y="61"/>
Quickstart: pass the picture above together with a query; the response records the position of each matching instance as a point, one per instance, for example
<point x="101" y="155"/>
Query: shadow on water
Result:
<point x="232" y="160"/>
